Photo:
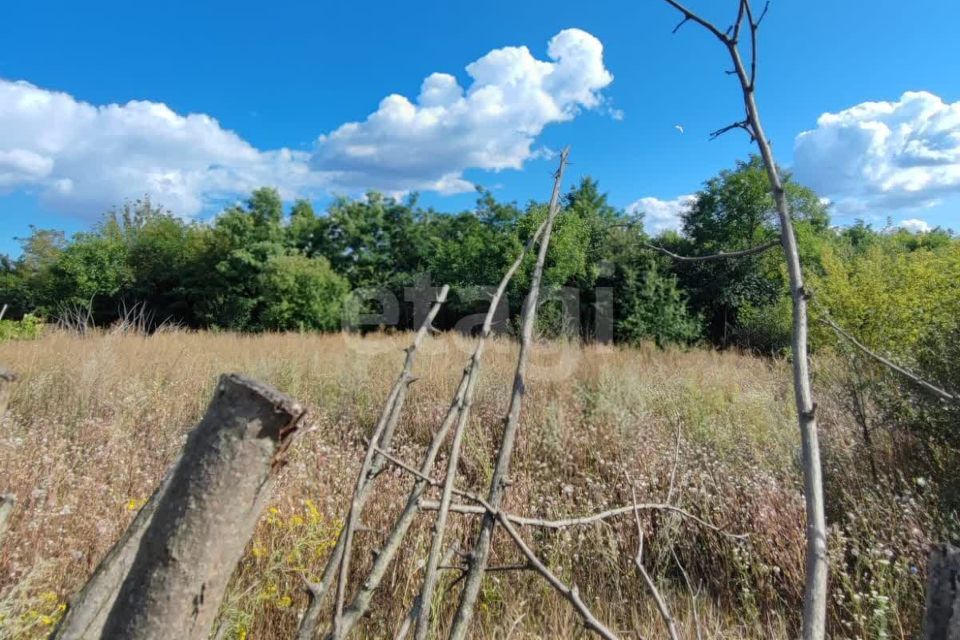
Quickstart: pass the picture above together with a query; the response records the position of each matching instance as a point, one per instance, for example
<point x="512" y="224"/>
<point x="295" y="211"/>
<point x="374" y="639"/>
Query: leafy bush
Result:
<point x="29" y="328"/>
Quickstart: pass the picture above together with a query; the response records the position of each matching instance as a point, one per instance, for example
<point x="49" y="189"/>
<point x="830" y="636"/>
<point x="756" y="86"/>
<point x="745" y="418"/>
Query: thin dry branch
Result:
<point x="498" y="482"/>
<point x="382" y="436"/>
<point x="645" y="575"/>
<point x="566" y="523"/>
<point x="571" y="594"/>
<point x="431" y="575"/>
<point x="717" y="256"/>
<point x="929" y="386"/>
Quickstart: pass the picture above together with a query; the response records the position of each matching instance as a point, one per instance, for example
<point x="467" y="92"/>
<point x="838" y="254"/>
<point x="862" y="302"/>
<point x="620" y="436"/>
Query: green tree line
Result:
<point x="259" y="267"/>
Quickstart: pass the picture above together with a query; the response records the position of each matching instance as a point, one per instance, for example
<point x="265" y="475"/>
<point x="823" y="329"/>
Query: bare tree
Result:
<point x="498" y="483"/>
<point x="207" y="514"/>
<point x="815" y="591"/>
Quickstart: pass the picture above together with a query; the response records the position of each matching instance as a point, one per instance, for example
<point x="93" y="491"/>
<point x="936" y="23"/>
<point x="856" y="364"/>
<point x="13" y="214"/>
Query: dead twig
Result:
<point x="716" y="256"/>
<point x="929" y="386"/>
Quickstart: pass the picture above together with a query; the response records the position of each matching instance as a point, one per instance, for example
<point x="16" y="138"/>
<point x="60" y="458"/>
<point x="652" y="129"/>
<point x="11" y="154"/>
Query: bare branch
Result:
<point x="430" y="574"/>
<point x="382" y="435"/>
<point x="929" y="386"/>
<point x="651" y="586"/>
<point x="741" y="124"/>
<point x="690" y="15"/>
<point x="571" y="594"/>
<point x="717" y="256"/>
<point x="523" y="521"/>
<point x="693" y="595"/>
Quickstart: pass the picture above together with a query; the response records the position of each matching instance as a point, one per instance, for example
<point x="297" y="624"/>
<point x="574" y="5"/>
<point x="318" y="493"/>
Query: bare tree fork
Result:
<point x="722" y="255"/>
<point x="662" y="607"/>
<point x="942" y="616"/>
<point x="7" y="503"/>
<point x="207" y="515"/>
<point x="382" y="436"/>
<point x="88" y="610"/>
<point x="501" y="472"/>
<point x="436" y="545"/>
<point x="929" y="386"/>
<point x="363" y="597"/>
<point x="7" y="378"/>
<point x="815" y="588"/>
<point x="571" y="594"/>
<point x="523" y="521"/>
<point x="410" y="619"/>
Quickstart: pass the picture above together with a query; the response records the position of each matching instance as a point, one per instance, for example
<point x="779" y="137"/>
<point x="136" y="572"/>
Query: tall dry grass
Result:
<point x="95" y="420"/>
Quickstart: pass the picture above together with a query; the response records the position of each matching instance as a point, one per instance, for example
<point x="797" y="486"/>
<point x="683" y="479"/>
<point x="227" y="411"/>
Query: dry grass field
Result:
<point x="94" y="422"/>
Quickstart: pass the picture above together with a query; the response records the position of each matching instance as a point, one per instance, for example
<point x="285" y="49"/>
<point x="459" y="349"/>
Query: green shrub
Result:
<point x="29" y="328"/>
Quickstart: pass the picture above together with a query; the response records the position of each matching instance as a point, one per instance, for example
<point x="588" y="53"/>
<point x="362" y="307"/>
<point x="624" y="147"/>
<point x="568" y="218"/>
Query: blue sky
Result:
<point x="273" y="86"/>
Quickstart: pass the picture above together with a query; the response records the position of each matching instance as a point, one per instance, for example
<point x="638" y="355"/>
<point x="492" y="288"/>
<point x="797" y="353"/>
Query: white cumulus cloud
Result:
<point x="661" y="215"/>
<point x="883" y="155"/>
<point x="82" y="158"/>
<point x="915" y="225"/>
<point x="491" y="124"/>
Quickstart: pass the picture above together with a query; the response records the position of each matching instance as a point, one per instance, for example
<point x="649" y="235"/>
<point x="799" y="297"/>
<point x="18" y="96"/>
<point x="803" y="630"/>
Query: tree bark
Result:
<point x="207" y="515"/>
<point x="942" y="618"/>
<point x="90" y="607"/>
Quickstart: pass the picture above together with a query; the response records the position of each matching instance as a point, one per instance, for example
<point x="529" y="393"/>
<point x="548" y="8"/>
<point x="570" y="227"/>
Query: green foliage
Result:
<point x="258" y="267"/>
<point x="300" y="293"/>
<point x="27" y="328"/>
<point x="735" y="211"/>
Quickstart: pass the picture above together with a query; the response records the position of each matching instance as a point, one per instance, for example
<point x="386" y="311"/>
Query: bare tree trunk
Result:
<point x="498" y="483"/>
<point x="90" y="607"/>
<point x="815" y="590"/>
<point x="942" y="619"/>
<point x="207" y="515"/>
